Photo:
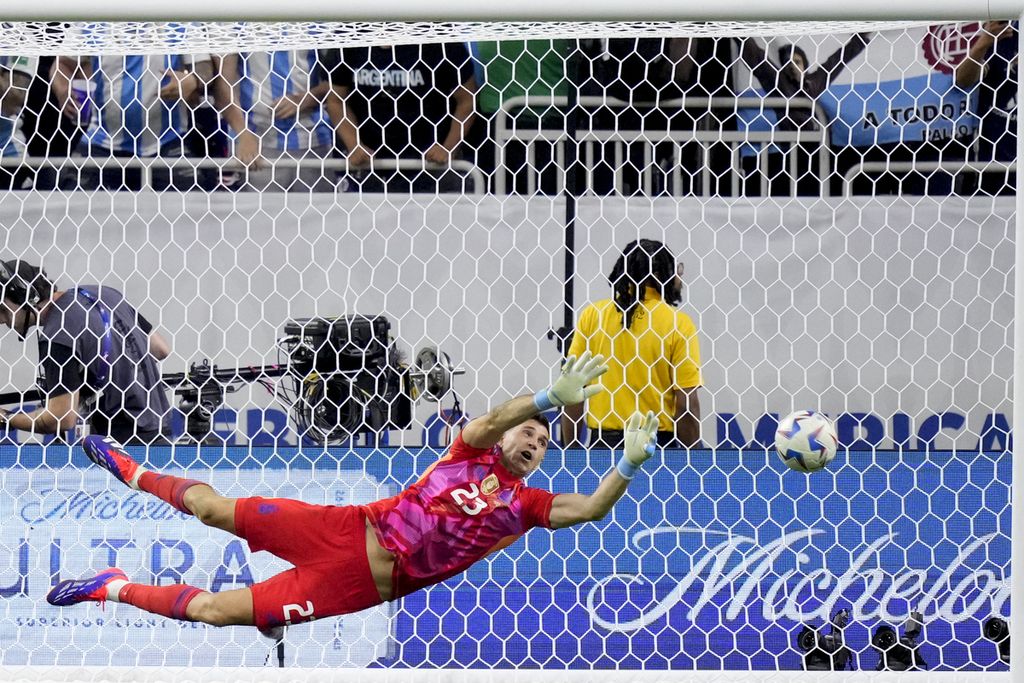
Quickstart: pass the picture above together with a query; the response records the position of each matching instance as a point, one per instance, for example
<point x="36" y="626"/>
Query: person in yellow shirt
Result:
<point x="652" y="351"/>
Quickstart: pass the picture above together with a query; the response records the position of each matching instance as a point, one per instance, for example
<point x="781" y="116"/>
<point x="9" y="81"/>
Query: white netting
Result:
<point x="464" y="191"/>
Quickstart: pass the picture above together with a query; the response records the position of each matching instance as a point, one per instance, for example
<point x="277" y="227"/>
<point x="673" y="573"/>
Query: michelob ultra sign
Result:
<point x="713" y="559"/>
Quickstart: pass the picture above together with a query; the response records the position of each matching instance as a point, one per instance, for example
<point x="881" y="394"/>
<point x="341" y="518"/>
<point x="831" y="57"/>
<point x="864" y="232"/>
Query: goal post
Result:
<point x="1017" y="530"/>
<point x="812" y="288"/>
<point x="530" y="10"/>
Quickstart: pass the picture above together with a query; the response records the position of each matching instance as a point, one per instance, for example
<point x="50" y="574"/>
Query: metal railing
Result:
<point x="707" y="137"/>
<point x="150" y="164"/>
<point x="922" y="167"/>
<point x="587" y="139"/>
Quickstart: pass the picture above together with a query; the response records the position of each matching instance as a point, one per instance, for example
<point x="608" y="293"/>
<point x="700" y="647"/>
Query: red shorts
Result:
<point x="327" y="545"/>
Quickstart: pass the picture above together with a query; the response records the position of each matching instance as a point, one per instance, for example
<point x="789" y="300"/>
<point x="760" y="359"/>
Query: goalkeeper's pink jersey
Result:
<point x="466" y="506"/>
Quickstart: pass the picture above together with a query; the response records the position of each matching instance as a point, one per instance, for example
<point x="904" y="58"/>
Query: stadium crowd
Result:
<point x="432" y="105"/>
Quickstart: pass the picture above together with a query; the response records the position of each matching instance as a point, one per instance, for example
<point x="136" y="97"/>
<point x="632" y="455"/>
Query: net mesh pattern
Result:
<point x="294" y="260"/>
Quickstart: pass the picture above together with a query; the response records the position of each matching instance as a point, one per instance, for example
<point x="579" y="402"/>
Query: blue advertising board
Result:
<point x="980" y="429"/>
<point x="713" y="560"/>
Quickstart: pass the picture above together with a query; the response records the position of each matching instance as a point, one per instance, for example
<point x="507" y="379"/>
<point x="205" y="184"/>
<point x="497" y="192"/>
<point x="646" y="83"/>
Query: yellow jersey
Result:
<point x="646" y="363"/>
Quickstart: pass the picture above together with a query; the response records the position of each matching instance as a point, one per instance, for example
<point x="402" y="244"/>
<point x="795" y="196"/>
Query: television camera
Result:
<point x="896" y="653"/>
<point x="998" y="631"/>
<point x="337" y="377"/>
<point x="826" y="652"/>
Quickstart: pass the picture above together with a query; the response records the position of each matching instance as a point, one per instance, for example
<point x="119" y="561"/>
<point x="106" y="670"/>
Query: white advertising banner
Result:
<point x="892" y="315"/>
<point x="69" y="523"/>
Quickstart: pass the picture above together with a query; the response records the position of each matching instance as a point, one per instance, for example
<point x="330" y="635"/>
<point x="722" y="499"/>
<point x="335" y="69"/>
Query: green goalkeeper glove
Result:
<point x="640" y="439"/>
<point x="571" y="387"/>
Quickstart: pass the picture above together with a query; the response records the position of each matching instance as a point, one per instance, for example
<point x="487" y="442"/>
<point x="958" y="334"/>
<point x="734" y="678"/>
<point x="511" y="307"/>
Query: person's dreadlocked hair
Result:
<point x="643" y="263"/>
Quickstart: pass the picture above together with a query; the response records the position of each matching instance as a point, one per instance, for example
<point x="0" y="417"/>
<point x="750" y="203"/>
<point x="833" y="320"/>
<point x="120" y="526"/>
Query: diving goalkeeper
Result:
<point x="467" y="505"/>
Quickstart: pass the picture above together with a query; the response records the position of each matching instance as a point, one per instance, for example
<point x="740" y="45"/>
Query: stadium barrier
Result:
<point x="704" y="133"/>
<point x="694" y="568"/>
<point x="150" y="164"/>
<point x="903" y="168"/>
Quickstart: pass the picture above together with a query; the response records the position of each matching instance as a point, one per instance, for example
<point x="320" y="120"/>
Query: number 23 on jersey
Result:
<point x="468" y="499"/>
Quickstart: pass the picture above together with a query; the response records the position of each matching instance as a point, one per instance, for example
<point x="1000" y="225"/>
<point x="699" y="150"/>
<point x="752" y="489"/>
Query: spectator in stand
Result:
<point x="15" y="76"/>
<point x="514" y="68"/>
<point x="134" y="106"/>
<point x="651" y="75"/>
<point x="273" y="103"/>
<point x="205" y="137"/>
<point x="402" y="102"/>
<point x="991" y="67"/>
<point x="793" y="78"/>
<point x="646" y="71"/>
<point x="47" y="133"/>
<point x="652" y="353"/>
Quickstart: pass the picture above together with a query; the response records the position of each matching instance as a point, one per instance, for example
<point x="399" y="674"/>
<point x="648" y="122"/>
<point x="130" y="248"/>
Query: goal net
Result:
<point x="353" y="238"/>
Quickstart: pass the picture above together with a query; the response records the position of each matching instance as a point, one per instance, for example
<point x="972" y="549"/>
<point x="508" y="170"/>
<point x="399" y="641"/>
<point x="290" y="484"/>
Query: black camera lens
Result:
<point x="884" y="638"/>
<point x="806" y="639"/>
<point x="996" y="629"/>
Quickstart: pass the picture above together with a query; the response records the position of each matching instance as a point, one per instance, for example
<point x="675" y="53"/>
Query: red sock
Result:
<point x="169" y="601"/>
<point x="168" y="488"/>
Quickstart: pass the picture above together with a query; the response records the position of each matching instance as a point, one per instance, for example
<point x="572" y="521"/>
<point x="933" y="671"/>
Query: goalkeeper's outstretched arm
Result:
<point x="568" y="509"/>
<point x="569" y="388"/>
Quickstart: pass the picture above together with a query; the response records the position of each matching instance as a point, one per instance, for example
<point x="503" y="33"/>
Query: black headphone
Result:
<point x="16" y="287"/>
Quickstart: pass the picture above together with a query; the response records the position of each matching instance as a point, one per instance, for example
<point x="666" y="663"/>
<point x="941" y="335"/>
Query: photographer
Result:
<point x="900" y="654"/>
<point x="826" y="652"/>
<point x="97" y="358"/>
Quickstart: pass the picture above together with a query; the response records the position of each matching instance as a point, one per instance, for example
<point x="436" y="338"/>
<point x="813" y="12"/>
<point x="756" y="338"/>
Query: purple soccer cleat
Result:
<point x="72" y="592"/>
<point x="112" y="457"/>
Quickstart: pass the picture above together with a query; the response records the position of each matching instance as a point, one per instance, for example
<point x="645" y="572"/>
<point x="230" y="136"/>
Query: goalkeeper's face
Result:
<point x="523" y="447"/>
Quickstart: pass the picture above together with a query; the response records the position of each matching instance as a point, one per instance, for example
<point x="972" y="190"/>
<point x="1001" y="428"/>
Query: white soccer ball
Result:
<point x="806" y="441"/>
